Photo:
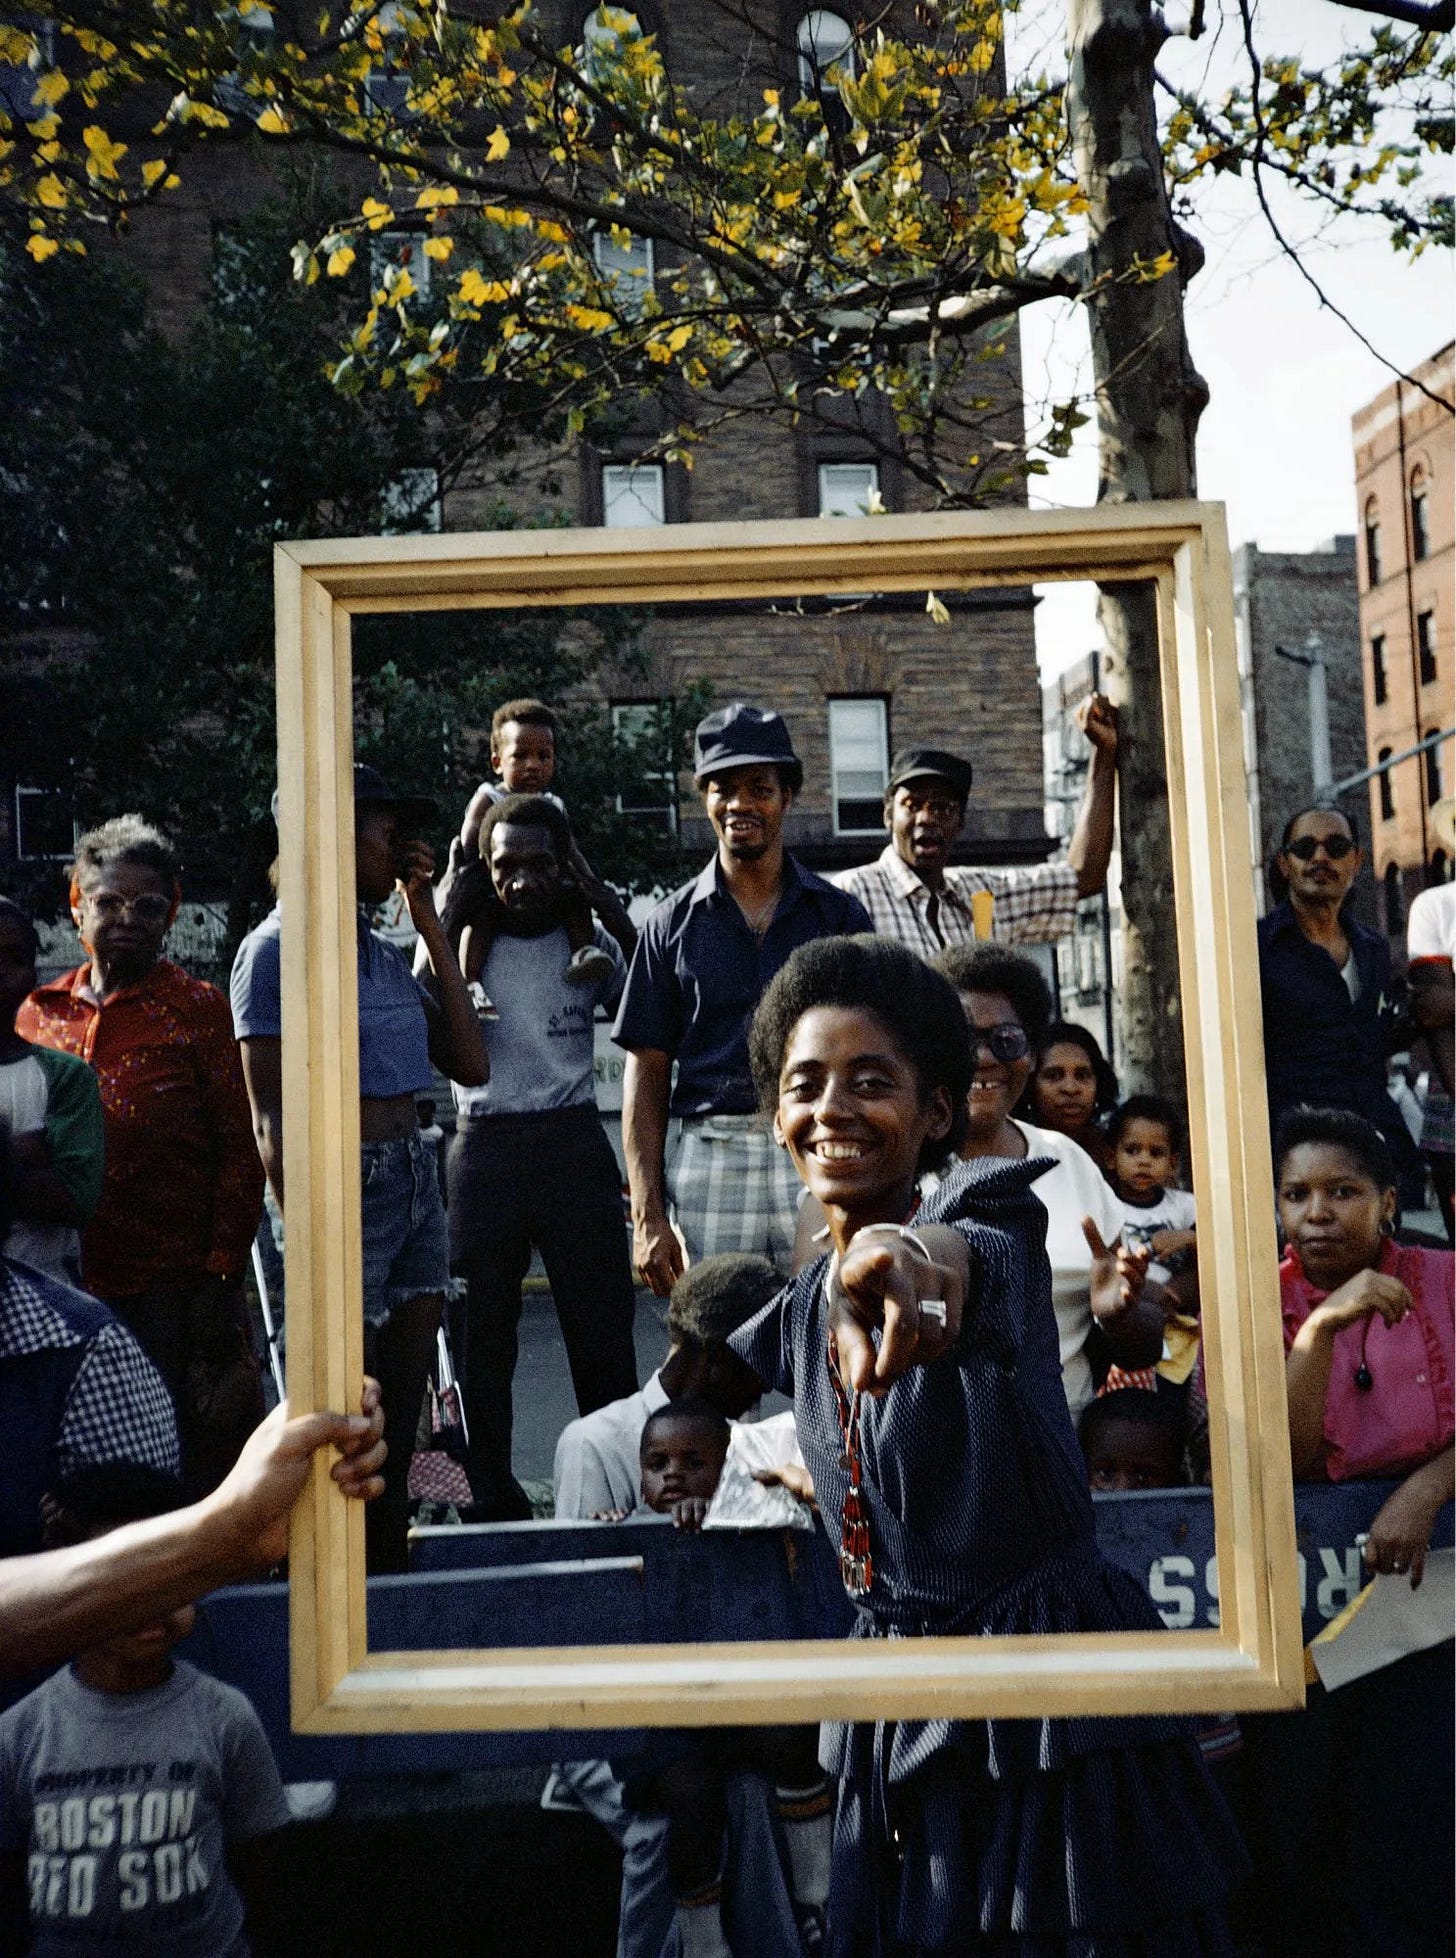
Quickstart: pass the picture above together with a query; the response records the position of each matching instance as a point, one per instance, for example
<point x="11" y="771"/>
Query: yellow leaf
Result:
<point x="678" y="339"/>
<point x="50" y="88"/>
<point x="591" y="319"/>
<point x="51" y="192"/>
<point x="152" y="171"/>
<point x="271" y="123"/>
<point x="44" y="128"/>
<point x="436" y="195"/>
<point x="498" y="146"/>
<point x="439" y="249"/>
<point x="377" y="214"/>
<point x="102" y="152"/>
<point x="340" y="259"/>
<point x="41" y="248"/>
<point x="476" y="291"/>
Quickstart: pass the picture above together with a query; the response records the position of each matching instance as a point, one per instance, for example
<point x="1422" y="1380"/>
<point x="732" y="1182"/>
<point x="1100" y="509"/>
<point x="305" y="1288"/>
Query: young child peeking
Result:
<point x="1133" y="1439"/>
<point x="1145" y="1139"/>
<point x="684" y="1446"/>
<point x="686" y="1774"/>
<point x="135" y="1792"/>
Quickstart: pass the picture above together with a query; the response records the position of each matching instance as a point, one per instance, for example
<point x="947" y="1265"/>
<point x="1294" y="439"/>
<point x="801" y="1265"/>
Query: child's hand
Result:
<point x="792" y="1476"/>
<point x="1172" y="1244"/>
<point x="1118" y="1274"/>
<point x="609" y="1516"/>
<point x="688" y="1512"/>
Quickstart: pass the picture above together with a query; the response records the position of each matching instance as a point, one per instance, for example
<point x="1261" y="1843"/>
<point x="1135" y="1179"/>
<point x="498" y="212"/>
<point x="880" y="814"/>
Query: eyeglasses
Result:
<point x="1336" y="848"/>
<point x="148" y="909"/>
<point x="1007" y="1041"/>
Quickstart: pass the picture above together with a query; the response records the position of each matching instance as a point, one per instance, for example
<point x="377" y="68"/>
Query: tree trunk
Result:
<point x="1149" y="399"/>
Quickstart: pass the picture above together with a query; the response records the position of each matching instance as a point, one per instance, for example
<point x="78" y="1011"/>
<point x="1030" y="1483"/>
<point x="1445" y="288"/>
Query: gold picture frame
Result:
<point x="1253" y="1659"/>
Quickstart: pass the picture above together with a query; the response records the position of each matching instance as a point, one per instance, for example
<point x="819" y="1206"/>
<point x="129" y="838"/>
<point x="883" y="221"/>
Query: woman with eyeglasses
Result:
<point x="1009" y="1009"/>
<point x="1329" y="1017"/>
<point x="182" y="1189"/>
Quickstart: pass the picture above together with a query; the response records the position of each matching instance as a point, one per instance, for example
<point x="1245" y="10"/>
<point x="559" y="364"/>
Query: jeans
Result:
<point x="548" y="1180"/>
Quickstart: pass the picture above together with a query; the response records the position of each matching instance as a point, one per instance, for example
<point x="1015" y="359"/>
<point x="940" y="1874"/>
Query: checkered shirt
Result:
<point x="1032" y="906"/>
<point x="118" y="1409"/>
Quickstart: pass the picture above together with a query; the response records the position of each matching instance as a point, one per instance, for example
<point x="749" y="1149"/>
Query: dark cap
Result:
<point x="737" y="736"/>
<point x="371" y="791"/>
<point x="911" y="764"/>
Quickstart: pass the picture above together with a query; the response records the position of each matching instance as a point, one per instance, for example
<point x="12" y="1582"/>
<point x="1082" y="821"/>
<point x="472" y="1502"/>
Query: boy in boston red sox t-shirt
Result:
<point x="134" y="1790"/>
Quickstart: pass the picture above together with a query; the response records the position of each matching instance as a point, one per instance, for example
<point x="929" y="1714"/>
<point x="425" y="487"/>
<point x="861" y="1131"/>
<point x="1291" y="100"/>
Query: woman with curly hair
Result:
<point x="921" y="1353"/>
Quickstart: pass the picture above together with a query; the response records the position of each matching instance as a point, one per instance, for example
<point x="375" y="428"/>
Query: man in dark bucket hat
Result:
<point x="914" y="893"/>
<point x="704" y="958"/>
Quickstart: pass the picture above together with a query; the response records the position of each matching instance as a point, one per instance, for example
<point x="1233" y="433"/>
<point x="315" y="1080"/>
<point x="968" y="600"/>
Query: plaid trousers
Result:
<point x="733" y="1189"/>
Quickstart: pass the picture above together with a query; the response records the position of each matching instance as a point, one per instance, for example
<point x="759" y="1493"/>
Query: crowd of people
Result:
<point x="869" y="1168"/>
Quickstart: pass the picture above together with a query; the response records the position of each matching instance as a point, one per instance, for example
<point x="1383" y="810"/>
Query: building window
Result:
<point x="1387" y="793"/>
<point x="1426" y="646"/>
<point x="1434" y="787"/>
<point x="633" y="494"/>
<point x="399" y="251"/>
<point x="642" y="733"/>
<point x="859" y="764"/>
<point x="45" y="828"/>
<point x="1420" y="518"/>
<point x="411" y="502"/>
<point x="626" y="265"/>
<point x="1394" y="901"/>
<point x="848" y="489"/>
<point x="387" y="82"/>
<point x="1380" y="684"/>
<point x="604" y="33"/>
<point x="826" y="40"/>
<point x="1372" y="543"/>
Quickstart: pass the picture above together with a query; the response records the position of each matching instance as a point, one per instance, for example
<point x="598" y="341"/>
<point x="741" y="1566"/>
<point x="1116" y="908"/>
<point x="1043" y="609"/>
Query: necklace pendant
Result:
<point x="856" y="1574"/>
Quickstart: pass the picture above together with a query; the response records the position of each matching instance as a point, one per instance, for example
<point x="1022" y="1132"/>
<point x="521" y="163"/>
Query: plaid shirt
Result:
<point x="117" y="1409"/>
<point x="1031" y="906"/>
<point x="183" y="1187"/>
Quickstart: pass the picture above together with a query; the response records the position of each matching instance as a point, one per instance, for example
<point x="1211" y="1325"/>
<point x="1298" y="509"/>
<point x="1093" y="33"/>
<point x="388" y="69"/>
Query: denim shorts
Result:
<point x="406" y="1244"/>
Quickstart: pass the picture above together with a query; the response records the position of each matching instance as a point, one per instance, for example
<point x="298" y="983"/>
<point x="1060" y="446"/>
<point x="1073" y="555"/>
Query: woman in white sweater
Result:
<point x="1009" y="1008"/>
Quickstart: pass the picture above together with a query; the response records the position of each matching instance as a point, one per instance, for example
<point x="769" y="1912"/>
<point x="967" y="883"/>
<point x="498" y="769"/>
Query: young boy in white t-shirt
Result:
<point x="1145" y="1134"/>
<point x="136" y="1793"/>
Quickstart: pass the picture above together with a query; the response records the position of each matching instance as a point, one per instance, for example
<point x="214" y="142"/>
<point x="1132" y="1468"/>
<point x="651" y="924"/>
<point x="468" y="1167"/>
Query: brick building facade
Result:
<point x="1291" y="607"/>
<point x="853" y="682"/>
<point x="1404" y="467"/>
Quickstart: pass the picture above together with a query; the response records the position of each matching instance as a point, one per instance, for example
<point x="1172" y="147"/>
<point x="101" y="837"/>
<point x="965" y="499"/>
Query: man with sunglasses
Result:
<point x="1329" y="1018"/>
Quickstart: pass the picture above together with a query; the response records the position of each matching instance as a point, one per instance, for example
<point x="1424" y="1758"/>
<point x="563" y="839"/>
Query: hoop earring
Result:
<point x="1387" y="1227"/>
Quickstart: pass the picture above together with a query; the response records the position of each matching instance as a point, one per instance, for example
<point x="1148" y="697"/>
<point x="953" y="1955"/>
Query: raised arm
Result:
<point x="1311" y="1355"/>
<point x="457" y="1046"/>
<point x="1090" y="850"/>
<point x="604" y="901"/>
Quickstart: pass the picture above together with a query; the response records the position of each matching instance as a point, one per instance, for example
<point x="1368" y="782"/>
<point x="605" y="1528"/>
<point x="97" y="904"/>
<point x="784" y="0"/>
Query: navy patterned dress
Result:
<point x="1084" y="1838"/>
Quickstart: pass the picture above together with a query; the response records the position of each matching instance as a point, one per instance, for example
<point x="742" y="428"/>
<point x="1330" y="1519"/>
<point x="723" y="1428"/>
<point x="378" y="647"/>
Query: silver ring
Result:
<point x="933" y="1309"/>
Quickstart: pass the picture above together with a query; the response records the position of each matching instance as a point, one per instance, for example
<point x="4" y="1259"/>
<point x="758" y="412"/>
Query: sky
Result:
<point x="1285" y="376"/>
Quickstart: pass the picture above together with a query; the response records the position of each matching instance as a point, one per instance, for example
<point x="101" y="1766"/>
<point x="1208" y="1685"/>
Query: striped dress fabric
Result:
<point x="1094" y="1838"/>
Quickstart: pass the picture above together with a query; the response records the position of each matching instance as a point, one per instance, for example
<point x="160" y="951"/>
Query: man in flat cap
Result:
<point x="912" y="891"/>
<point x="701" y="964"/>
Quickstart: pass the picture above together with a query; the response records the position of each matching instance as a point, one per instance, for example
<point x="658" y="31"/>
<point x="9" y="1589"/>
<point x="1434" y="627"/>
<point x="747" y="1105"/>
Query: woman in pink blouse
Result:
<point x="1369" y="1329"/>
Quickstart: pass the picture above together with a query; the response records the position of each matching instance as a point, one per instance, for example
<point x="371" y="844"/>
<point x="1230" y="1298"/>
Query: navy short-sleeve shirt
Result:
<point x="698" y="973"/>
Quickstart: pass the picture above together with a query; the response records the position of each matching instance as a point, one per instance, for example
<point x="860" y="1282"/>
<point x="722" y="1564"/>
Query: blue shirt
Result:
<point x="1321" y="1046"/>
<point x="698" y="973"/>
<point x="394" y="1033"/>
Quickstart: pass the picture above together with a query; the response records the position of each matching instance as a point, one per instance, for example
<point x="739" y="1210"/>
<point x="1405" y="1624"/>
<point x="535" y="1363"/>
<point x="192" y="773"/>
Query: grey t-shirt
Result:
<point x="542" y="1047"/>
<point x="121" y="1804"/>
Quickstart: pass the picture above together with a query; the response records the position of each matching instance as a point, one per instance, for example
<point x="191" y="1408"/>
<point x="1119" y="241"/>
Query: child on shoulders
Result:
<point x="136" y="1793"/>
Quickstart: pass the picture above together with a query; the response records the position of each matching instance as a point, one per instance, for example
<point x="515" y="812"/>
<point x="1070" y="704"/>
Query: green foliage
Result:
<point x="144" y="486"/>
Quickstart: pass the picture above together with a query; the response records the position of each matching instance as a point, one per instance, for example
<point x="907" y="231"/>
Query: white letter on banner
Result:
<point x="1179" y="1597"/>
<point x="1344" y="1574"/>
